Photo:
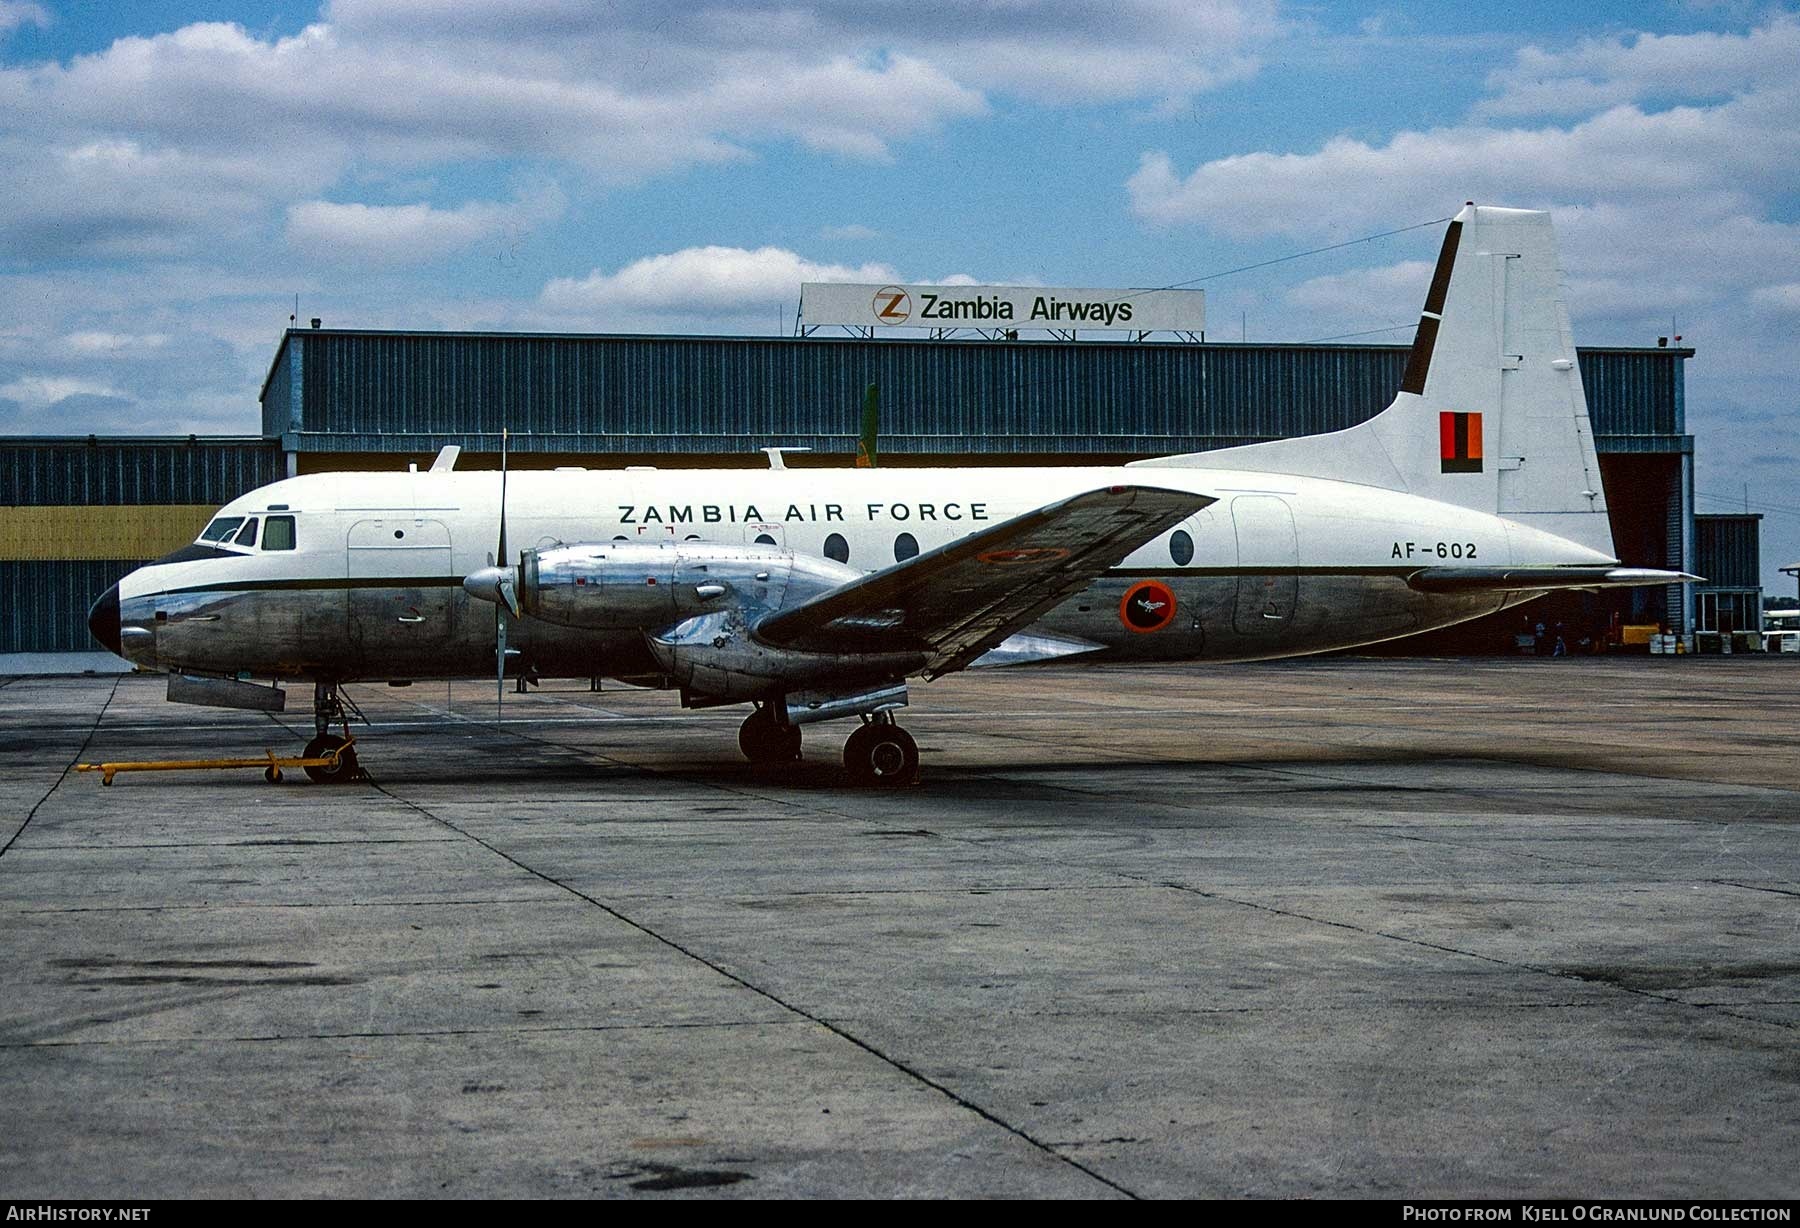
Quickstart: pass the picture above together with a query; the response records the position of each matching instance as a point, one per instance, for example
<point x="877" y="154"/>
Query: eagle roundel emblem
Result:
<point x="1147" y="606"/>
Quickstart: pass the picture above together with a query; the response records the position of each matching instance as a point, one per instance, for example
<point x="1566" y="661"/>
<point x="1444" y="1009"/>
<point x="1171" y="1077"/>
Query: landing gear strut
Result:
<point x="330" y="706"/>
<point x="764" y="741"/>
<point x="882" y="754"/>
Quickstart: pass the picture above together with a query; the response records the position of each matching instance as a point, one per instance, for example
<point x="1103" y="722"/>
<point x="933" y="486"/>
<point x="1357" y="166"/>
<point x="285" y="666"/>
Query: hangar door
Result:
<point x="1268" y="552"/>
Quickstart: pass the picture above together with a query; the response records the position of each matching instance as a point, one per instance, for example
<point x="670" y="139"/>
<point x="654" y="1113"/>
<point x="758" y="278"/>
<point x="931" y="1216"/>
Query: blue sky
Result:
<point x="173" y="174"/>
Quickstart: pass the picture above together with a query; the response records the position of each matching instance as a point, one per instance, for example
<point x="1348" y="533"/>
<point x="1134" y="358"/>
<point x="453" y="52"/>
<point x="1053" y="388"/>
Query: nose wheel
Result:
<point x="764" y="741"/>
<point x="331" y="706"/>
<point x="319" y="748"/>
<point x="882" y="755"/>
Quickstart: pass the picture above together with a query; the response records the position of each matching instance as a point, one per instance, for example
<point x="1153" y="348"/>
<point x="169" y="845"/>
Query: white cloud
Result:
<point x="37" y="391"/>
<point x="16" y="13"/>
<point x="400" y="234"/>
<point x="1394" y="288"/>
<point x="1601" y="73"/>
<point x="104" y="344"/>
<point x="1046" y="50"/>
<point x="703" y="281"/>
<point x="1658" y="211"/>
<point x="209" y="127"/>
<point x="1784" y="297"/>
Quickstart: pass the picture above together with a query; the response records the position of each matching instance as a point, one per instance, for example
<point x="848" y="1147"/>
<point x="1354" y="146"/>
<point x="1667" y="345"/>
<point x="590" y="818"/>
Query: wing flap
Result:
<point x="961" y="599"/>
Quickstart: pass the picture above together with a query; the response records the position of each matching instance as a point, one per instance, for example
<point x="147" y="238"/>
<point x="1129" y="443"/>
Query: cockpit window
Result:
<point x="278" y="534"/>
<point x="221" y="528"/>
<point x="246" y="535"/>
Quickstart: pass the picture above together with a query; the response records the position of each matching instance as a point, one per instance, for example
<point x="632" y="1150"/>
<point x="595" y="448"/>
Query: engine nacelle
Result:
<point x="652" y="585"/>
<point x="698" y="604"/>
<point x="717" y="654"/>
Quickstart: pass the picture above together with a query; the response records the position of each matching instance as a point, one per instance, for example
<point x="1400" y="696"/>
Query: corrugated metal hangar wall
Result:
<point x="339" y="399"/>
<point x="76" y="514"/>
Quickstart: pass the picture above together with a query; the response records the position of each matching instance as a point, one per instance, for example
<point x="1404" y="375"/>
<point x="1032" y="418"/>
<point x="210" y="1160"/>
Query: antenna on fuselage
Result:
<point x="871" y="427"/>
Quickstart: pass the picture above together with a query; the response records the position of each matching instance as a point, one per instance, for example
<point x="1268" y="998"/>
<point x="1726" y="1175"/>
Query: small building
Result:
<point x="1728" y="555"/>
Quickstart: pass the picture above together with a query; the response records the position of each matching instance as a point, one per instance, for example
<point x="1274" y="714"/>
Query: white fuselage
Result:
<point x="1277" y="566"/>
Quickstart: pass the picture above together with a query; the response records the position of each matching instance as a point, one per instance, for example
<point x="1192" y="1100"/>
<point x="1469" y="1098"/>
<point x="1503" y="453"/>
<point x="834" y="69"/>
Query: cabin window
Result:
<point x="905" y="546"/>
<point x="763" y="539"/>
<point x="279" y="533"/>
<point x="221" y="528"/>
<point x="1181" y="547"/>
<point x="837" y="549"/>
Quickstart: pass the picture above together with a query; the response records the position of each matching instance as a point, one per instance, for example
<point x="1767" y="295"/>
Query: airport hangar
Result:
<point x="77" y="513"/>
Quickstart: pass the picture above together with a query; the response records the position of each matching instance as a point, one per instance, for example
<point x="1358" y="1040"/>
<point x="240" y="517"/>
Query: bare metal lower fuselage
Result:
<point x="375" y="631"/>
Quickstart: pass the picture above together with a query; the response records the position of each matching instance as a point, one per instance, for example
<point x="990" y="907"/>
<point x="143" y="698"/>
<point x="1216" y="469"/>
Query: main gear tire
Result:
<point x="763" y="741"/>
<point x="882" y="756"/>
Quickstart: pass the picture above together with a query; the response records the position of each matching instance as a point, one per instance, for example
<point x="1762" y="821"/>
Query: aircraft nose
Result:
<point x="103" y="620"/>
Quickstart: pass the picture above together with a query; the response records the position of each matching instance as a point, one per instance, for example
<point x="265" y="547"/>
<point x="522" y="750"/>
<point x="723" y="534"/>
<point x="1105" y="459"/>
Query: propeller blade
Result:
<point x="504" y="597"/>
<point x="500" y="554"/>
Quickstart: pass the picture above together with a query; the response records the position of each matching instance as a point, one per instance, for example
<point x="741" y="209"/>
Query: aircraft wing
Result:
<point x="956" y="602"/>
<point x="1538" y="579"/>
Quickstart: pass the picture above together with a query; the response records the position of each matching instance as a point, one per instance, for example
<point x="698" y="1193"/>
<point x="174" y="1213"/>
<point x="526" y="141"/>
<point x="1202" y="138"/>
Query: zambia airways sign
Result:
<point x="1142" y="311"/>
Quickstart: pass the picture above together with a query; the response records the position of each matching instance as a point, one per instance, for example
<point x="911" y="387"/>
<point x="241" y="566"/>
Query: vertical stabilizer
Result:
<point x="1490" y="414"/>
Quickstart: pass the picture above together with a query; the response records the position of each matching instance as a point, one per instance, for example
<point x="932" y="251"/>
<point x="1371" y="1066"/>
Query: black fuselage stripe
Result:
<point x="349" y="582"/>
<point x="372" y="583"/>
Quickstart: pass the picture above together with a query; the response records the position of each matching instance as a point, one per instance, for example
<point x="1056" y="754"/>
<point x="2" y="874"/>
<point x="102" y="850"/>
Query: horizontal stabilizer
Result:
<point x="1539" y="579"/>
<point x="1028" y="649"/>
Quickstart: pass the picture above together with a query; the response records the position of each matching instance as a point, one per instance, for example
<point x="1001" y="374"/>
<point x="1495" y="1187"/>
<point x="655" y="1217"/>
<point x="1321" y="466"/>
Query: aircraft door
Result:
<point x="1268" y="553"/>
<point x="403" y="610"/>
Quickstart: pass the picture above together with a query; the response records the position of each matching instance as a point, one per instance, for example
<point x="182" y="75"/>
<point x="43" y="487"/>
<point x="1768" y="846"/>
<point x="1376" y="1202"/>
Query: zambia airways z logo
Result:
<point x="892" y="305"/>
<point x="1459" y="442"/>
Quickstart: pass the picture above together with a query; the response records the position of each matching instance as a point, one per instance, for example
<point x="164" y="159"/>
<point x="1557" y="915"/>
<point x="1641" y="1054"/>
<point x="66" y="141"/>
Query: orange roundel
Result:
<point x="1147" y="606"/>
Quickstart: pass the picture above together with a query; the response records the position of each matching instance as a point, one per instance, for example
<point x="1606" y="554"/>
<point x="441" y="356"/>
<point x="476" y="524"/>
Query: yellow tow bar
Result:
<point x="270" y="763"/>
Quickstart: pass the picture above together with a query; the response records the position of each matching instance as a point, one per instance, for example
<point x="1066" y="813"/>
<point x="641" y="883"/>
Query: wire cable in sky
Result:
<point x="1263" y="264"/>
<point x="1773" y="509"/>
<point x="1367" y="332"/>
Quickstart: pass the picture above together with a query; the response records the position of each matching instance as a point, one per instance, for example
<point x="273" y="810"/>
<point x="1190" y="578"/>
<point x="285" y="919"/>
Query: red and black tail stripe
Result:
<point x="1459" y="442"/>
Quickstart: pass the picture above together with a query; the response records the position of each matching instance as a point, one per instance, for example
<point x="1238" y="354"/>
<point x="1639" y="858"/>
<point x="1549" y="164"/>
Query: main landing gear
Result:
<point x="879" y="754"/>
<point x="764" y="741"/>
<point x="330" y="706"/>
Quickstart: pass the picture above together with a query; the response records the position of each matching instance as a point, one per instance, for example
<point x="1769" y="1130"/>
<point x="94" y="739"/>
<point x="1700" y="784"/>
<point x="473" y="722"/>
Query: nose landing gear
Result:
<point x="330" y="705"/>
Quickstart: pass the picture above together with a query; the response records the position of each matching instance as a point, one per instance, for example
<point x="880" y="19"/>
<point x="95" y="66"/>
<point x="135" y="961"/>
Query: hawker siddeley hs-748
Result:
<point x="816" y="594"/>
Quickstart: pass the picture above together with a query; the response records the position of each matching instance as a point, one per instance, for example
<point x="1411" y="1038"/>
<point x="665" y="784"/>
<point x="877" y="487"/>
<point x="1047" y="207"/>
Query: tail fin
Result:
<point x="1490" y="414"/>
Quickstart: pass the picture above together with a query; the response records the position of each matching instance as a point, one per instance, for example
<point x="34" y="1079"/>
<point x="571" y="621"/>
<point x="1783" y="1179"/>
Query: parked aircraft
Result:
<point x="816" y="594"/>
